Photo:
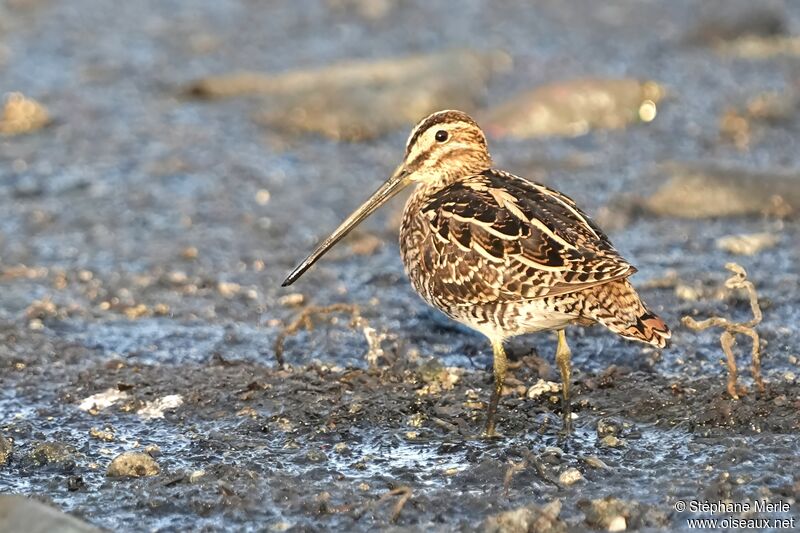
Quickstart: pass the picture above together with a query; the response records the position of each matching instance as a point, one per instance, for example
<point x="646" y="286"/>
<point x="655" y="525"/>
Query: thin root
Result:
<point x="728" y="338"/>
<point x="405" y="495"/>
<point x="303" y="321"/>
<point x="511" y="471"/>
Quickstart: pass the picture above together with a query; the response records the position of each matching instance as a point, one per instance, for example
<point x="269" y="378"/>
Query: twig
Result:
<point x="728" y="337"/>
<point x="511" y="471"/>
<point x="405" y="495"/>
<point x="303" y="320"/>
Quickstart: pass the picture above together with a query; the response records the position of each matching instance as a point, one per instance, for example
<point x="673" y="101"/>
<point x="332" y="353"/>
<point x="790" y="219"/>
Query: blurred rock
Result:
<point x="18" y="513"/>
<point x="572" y="108"/>
<point x="358" y="100"/>
<point x="747" y="244"/>
<point x="762" y="47"/>
<point x="530" y="519"/>
<point x="56" y="455"/>
<point x="737" y="123"/>
<point x="570" y="476"/>
<point x="727" y="23"/>
<point x="133" y="464"/>
<point x="707" y="191"/>
<point x="611" y="514"/>
<point x="22" y="115"/>
<point x="6" y="447"/>
<point x="367" y="9"/>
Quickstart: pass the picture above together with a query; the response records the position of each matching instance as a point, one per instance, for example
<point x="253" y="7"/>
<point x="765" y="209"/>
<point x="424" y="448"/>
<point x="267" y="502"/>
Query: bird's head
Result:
<point x="441" y="147"/>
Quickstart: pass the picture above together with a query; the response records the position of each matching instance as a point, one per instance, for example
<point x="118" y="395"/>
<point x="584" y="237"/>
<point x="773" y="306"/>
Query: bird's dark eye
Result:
<point x="441" y="136"/>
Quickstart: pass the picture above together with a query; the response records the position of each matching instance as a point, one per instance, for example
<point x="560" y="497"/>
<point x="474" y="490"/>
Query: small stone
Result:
<point x="341" y="448"/>
<point x="22" y="115"/>
<point x="195" y="476"/>
<point x="190" y="252"/>
<point x="155" y="409"/>
<point x="132" y="464"/>
<point x="6" y="447"/>
<point x="747" y="244"/>
<point x="609" y="426"/>
<point x="316" y="456"/>
<point x="262" y="197"/>
<point x="416" y="420"/>
<point x="614" y="514"/>
<point x="292" y="300"/>
<point x="595" y="462"/>
<point x="553" y="450"/>
<point x="611" y="441"/>
<point x="152" y="450"/>
<point x="687" y="292"/>
<point x="228" y="289"/>
<point x="617" y="523"/>
<point x="570" y="476"/>
<point x="100" y="434"/>
<point x="530" y="519"/>
<point x="58" y="455"/>
<point x="542" y="387"/>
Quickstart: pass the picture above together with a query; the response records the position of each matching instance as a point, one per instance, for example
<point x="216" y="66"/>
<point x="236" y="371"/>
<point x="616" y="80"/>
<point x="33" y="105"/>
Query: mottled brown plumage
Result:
<point x="501" y="254"/>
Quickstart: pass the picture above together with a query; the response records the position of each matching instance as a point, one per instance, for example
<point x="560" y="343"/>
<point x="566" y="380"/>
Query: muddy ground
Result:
<point x="144" y="236"/>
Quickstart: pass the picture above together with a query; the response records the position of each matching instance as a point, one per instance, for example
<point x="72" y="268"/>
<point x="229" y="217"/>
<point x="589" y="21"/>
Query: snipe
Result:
<point x="501" y="254"/>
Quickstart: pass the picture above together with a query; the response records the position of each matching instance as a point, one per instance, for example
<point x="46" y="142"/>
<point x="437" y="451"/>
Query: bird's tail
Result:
<point x="617" y="306"/>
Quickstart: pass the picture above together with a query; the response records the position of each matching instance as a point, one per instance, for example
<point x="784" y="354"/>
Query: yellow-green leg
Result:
<point x="562" y="360"/>
<point x="500" y="366"/>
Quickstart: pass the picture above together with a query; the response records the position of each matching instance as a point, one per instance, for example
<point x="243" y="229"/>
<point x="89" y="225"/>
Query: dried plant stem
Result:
<point x="731" y="329"/>
<point x="303" y="320"/>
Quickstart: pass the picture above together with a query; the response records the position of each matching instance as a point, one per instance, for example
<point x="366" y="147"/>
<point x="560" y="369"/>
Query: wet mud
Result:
<point x="144" y="236"/>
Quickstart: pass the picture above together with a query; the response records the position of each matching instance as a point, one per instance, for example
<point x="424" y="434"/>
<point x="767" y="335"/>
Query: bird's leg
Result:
<point x="562" y="359"/>
<point x="500" y="366"/>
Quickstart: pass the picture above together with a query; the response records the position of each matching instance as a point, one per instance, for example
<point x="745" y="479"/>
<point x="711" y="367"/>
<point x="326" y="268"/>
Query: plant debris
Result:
<point x="731" y="329"/>
<point x="303" y="321"/>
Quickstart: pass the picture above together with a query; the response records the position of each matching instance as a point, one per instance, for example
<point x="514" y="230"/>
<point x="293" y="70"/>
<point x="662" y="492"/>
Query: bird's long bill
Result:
<point x="394" y="185"/>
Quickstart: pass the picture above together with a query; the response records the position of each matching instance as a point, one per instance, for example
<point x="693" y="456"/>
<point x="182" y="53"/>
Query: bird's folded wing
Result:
<point x="521" y="239"/>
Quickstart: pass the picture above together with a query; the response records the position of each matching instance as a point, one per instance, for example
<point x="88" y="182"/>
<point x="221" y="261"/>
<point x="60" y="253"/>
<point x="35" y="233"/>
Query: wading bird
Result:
<point x="500" y="254"/>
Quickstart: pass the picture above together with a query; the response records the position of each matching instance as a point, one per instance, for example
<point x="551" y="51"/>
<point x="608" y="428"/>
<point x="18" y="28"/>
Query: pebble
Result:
<point x="595" y="462"/>
<point x="6" y="447"/>
<point x="609" y="426"/>
<point x="60" y="455"/>
<point x="316" y="456"/>
<point x="611" y="441"/>
<point x="132" y="464"/>
<point x="292" y="299"/>
<point x="105" y="435"/>
<point x="617" y="523"/>
<point x="341" y="447"/>
<point x="542" y="387"/>
<point x="22" y="115"/>
<point x="532" y="518"/>
<point x="747" y="244"/>
<point x="570" y="476"/>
